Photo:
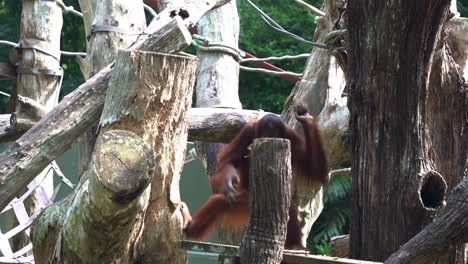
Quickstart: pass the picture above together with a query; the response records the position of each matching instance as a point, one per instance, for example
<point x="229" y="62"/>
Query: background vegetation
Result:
<point x="257" y="90"/>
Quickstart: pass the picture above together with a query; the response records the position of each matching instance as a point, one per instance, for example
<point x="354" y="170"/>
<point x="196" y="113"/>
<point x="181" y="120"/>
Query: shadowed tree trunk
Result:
<point x="408" y="123"/>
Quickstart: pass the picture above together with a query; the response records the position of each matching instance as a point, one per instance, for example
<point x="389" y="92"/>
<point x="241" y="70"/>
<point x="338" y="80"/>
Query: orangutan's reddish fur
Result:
<point x="230" y="182"/>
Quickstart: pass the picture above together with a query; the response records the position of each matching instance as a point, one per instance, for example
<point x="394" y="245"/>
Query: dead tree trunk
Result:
<point x="320" y="90"/>
<point x="405" y="125"/>
<point x="36" y="148"/>
<point x="38" y="81"/>
<point x="95" y="224"/>
<point x="269" y="200"/>
<point x="218" y="84"/>
<point x="124" y="218"/>
<point x="108" y="17"/>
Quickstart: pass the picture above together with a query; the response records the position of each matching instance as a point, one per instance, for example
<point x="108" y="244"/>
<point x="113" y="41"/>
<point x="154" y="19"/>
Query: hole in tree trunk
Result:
<point x="432" y="190"/>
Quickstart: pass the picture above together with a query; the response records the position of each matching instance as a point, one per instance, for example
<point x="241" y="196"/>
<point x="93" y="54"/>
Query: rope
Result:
<point x="273" y="58"/>
<point x="68" y="9"/>
<point x="204" y="44"/>
<point x="5" y="94"/>
<point x="285" y="73"/>
<point x="273" y="24"/>
<point x="312" y="8"/>
<point x="64" y="53"/>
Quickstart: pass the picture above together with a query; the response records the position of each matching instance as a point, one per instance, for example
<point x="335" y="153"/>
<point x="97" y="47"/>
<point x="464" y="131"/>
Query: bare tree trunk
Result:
<point x="269" y="201"/>
<point x="169" y="142"/>
<point x="407" y="129"/>
<point x="103" y="46"/>
<point x="320" y="90"/>
<point x="39" y="51"/>
<point x="151" y="105"/>
<point x="218" y="84"/>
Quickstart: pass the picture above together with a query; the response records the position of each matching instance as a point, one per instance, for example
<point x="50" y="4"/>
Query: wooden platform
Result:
<point x="227" y="254"/>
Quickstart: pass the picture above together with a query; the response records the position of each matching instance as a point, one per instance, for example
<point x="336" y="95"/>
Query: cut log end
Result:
<point x="124" y="164"/>
<point x="432" y="190"/>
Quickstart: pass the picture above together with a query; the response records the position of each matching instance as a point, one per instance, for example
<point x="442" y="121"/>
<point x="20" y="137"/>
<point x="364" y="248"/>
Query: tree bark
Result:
<point x="407" y="129"/>
<point x="449" y="228"/>
<point x="173" y="86"/>
<point x="269" y="200"/>
<point x="103" y="48"/>
<point x="34" y="150"/>
<point x="320" y="90"/>
<point x="41" y="90"/>
<point x="218" y="84"/>
<point x="135" y="102"/>
<point x="205" y="124"/>
<point x="95" y="224"/>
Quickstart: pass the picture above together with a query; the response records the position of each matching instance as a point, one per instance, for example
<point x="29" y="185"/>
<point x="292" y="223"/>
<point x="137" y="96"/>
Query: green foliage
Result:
<point x="10" y="12"/>
<point x="335" y="216"/>
<point x="323" y="249"/>
<point x="72" y="39"/>
<point x="259" y="90"/>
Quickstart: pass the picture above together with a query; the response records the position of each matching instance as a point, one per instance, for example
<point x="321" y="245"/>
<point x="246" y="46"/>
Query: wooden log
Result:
<point x="205" y="124"/>
<point x="60" y="128"/>
<point x="98" y="220"/>
<point x="154" y="104"/>
<point x="218" y="124"/>
<point x="103" y="46"/>
<point x="340" y="246"/>
<point x="218" y="84"/>
<point x="269" y="200"/>
<point x="36" y="93"/>
<point x="229" y="254"/>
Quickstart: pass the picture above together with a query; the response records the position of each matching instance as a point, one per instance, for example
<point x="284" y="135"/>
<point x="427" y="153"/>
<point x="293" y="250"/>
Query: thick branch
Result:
<point x="205" y="124"/>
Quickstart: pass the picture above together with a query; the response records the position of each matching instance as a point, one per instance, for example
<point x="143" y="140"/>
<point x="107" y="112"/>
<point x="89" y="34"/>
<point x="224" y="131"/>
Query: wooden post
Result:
<point x="103" y="46"/>
<point x="39" y="52"/>
<point x="152" y="105"/>
<point x="269" y="201"/>
<point x="218" y="84"/>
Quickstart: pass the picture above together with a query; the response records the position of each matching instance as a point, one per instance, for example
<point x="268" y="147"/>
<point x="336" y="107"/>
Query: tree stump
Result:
<point x="269" y="201"/>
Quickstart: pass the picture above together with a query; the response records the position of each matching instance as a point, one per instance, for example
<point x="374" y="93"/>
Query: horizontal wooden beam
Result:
<point x="232" y="252"/>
